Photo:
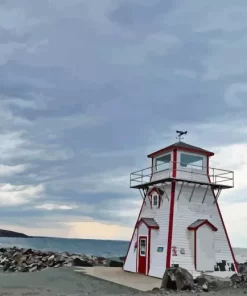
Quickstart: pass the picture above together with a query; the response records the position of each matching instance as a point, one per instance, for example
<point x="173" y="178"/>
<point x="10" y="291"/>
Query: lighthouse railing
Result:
<point x="179" y="171"/>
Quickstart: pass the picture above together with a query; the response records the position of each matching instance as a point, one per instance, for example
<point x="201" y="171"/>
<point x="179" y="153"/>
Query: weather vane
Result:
<point x="180" y="134"/>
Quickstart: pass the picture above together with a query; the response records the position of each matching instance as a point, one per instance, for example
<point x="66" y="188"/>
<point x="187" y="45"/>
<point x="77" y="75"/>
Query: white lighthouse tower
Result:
<point x="180" y="223"/>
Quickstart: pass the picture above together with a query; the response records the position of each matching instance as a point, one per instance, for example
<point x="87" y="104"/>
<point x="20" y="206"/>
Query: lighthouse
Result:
<point x="180" y="222"/>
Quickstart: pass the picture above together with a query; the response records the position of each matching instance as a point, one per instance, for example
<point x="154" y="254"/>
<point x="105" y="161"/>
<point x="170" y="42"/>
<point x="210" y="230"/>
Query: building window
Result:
<point x="155" y="200"/>
<point x="163" y="162"/>
<point x="191" y="161"/>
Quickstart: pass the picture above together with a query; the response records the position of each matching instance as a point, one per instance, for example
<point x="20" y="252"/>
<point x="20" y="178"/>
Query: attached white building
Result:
<point x="180" y="222"/>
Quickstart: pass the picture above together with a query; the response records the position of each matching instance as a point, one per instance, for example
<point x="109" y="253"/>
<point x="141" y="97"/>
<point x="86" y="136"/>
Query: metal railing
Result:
<point x="196" y="173"/>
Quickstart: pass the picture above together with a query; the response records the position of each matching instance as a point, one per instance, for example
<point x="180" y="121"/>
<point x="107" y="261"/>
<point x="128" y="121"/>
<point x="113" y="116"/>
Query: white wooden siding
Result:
<point x="143" y="230"/>
<point x="161" y="175"/>
<point x="205" y="253"/>
<point x="130" y="262"/>
<point x="185" y="213"/>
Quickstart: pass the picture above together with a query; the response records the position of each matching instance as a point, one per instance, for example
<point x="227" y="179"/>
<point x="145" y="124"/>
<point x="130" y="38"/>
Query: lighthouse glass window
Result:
<point x="163" y="162"/>
<point x="143" y="247"/>
<point x="155" y="200"/>
<point x="191" y="161"/>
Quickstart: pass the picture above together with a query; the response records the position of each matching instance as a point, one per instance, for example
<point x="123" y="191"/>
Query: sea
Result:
<point x="90" y="247"/>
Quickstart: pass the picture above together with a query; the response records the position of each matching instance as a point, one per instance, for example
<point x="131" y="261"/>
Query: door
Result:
<point x="142" y="253"/>
<point x="205" y="254"/>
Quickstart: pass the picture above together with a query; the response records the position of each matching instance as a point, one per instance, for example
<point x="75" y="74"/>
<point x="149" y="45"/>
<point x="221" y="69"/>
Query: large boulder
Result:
<point x="242" y="268"/>
<point x="209" y="282"/>
<point x="177" y="278"/>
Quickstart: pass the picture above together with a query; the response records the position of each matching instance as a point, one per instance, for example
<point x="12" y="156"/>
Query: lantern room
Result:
<point x="181" y="162"/>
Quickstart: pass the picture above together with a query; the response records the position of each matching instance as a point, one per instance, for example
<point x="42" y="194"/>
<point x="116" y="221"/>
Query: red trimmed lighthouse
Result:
<point x="180" y="223"/>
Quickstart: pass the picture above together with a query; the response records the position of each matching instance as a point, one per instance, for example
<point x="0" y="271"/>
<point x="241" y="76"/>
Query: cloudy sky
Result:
<point x="89" y="88"/>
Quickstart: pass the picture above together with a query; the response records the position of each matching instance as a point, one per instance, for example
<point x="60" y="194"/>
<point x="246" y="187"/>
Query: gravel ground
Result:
<point x="64" y="281"/>
<point x="58" y="281"/>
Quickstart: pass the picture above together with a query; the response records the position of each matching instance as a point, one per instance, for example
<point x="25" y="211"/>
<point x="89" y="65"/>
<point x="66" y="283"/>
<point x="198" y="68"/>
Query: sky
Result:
<point x="89" y="88"/>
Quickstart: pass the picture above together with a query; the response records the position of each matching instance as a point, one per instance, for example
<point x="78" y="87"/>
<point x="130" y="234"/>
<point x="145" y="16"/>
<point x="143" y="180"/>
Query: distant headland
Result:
<point x="8" y="233"/>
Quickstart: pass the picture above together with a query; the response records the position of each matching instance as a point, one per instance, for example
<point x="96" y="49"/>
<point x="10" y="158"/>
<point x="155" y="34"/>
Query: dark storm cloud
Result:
<point x="87" y="87"/>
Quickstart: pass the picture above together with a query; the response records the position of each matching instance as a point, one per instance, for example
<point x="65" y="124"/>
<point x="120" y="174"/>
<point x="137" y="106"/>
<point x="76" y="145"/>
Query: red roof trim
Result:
<point x="203" y="223"/>
<point x="149" y="226"/>
<point x="157" y="190"/>
<point x="170" y="148"/>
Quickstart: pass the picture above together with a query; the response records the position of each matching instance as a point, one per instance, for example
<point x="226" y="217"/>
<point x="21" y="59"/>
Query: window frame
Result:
<point x="193" y="167"/>
<point x="140" y="248"/>
<point x="157" y="197"/>
<point x="160" y="156"/>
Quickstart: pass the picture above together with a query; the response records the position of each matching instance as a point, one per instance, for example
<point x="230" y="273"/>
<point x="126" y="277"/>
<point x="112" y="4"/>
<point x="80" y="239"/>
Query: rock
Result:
<point x="100" y="260"/>
<point x="156" y="289"/>
<point x="242" y="268"/>
<point x="17" y="256"/>
<point x="114" y="263"/>
<point x="24" y="260"/>
<point x="44" y="259"/>
<point x="6" y="266"/>
<point x="27" y="252"/>
<point x="22" y="269"/>
<point x="79" y="262"/>
<point x="213" y="282"/>
<point x="4" y="260"/>
<point x="236" y="278"/>
<point x="12" y="269"/>
<point x="205" y="288"/>
<point x="50" y="261"/>
<point x="59" y="259"/>
<point x="30" y="260"/>
<point x="65" y="254"/>
<point x="40" y="265"/>
<point x="34" y="268"/>
<point x="177" y="279"/>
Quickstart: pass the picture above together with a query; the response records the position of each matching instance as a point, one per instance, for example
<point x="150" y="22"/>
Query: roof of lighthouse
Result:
<point x="182" y="146"/>
<point x="200" y="222"/>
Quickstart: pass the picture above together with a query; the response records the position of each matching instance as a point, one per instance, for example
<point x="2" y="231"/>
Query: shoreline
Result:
<point x="49" y="273"/>
<point x="15" y="259"/>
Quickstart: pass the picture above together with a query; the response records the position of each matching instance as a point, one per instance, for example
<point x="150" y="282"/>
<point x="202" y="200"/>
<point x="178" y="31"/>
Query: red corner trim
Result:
<point x="149" y="249"/>
<point x="137" y="251"/>
<point x="174" y="164"/>
<point x="171" y="214"/>
<point x="170" y="227"/>
<point x="195" y="249"/>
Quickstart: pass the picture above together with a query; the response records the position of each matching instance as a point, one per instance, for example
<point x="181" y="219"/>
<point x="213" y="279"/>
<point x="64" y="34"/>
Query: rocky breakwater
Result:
<point x="29" y="260"/>
<point x="179" y="279"/>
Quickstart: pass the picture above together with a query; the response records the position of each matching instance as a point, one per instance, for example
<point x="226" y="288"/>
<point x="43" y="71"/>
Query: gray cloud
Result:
<point x="88" y="88"/>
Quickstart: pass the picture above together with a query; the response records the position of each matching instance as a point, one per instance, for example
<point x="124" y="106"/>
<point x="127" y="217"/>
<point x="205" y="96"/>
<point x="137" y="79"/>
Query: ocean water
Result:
<point x="104" y="248"/>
